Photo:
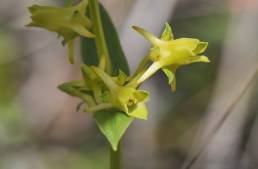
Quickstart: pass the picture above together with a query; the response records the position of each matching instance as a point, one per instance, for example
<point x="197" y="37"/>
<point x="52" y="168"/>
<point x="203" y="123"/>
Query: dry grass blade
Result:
<point x="247" y="83"/>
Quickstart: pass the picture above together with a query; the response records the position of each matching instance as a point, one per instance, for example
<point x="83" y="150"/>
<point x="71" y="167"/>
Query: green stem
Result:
<point x="144" y="75"/>
<point x="142" y="65"/>
<point x="99" y="32"/>
<point x="115" y="158"/>
<point x="149" y="72"/>
<point x="139" y="71"/>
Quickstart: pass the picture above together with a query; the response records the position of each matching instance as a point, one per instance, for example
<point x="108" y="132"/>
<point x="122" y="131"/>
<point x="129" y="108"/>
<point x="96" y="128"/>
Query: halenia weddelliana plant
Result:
<point x="107" y="90"/>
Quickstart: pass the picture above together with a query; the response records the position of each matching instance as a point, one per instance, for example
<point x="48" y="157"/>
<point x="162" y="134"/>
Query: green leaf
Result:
<point x="117" y="56"/>
<point x="113" y="125"/>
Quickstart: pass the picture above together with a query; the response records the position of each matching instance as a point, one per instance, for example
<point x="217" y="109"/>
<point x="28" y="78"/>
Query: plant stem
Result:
<point x="103" y="54"/>
<point x="142" y="76"/>
<point x="115" y="158"/>
<point x="149" y="72"/>
<point x="142" y="65"/>
<point x="99" y="32"/>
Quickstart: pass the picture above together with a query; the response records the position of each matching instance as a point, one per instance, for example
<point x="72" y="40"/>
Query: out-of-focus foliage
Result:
<point x="12" y="124"/>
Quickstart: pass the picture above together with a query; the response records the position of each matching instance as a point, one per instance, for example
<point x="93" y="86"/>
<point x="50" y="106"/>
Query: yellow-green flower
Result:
<point x="124" y="98"/>
<point x="67" y="22"/>
<point x="168" y="53"/>
<point x="77" y="88"/>
<point x="101" y="91"/>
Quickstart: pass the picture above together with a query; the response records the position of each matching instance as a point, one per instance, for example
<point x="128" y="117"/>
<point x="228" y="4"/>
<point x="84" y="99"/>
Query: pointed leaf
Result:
<point x="113" y="125"/>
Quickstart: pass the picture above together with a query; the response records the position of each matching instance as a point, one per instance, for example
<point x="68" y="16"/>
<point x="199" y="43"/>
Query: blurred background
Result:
<point x="210" y="122"/>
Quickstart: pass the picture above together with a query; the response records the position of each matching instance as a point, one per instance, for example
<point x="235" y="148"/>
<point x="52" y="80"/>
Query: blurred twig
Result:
<point x="247" y="83"/>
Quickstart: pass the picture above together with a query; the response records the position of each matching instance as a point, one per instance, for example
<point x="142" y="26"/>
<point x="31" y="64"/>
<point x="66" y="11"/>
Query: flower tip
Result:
<point x="144" y="118"/>
<point x="28" y="25"/>
<point x="91" y="35"/>
<point x="32" y="24"/>
<point x="33" y="8"/>
<point x="142" y="31"/>
<point x="167" y="34"/>
<point x="62" y="87"/>
<point x="173" y="88"/>
<point x="149" y="36"/>
<point x="204" y="59"/>
<point x="84" y="32"/>
<point x="138" y="29"/>
<point x="114" y="147"/>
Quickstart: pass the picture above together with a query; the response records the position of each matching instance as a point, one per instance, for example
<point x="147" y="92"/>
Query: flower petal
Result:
<point x="141" y="95"/>
<point x="123" y="95"/>
<point x="122" y="78"/>
<point x="170" y="72"/>
<point x="189" y="43"/>
<point x="140" y="112"/>
<point x="88" y="73"/>
<point x="107" y="79"/>
<point x="204" y="59"/>
<point x="149" y="36"/>
<point x="201" y="47"/>
<point x="178" y="56"/>
<point x="167" y="35"/>
<point x="76" y="88"/>
<point x="82" y="31"/>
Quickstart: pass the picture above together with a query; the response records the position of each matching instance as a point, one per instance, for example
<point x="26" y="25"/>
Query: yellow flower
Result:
<point x="168" y="53"/>
<point x="101" y="92"/>
<point x="124" y="98"/>
<point x="67" y="22"/>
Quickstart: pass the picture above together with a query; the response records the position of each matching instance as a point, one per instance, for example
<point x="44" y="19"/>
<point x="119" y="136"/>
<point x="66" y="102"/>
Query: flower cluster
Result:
<point x="113" y="97"/>
<point x="102" y="91"/>
<point x="98" y="89"/>
<point x="68" y="22"/>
